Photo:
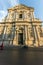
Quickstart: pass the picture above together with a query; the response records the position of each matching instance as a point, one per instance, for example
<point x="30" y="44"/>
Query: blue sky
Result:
<point x="37" y="4"/>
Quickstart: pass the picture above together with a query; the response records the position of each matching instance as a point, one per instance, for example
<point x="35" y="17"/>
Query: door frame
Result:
<point x="22" y="39"/>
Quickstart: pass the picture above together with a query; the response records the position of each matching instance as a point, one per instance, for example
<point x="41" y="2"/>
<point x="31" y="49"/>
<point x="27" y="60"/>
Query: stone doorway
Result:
<point x="20" y="39"/>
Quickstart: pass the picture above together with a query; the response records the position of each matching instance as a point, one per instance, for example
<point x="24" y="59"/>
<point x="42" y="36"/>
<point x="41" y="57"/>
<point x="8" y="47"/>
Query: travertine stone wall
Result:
<point x="29" y="26"/>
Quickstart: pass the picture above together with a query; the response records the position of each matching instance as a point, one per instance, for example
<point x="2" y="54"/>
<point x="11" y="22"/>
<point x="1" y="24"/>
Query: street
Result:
<point x="21" y="57"/>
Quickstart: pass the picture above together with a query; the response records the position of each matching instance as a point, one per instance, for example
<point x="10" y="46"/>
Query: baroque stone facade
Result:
<point x="20" y="27"/>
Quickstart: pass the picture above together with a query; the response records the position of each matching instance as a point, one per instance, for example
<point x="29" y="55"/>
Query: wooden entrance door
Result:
<point x="20" y="38"/>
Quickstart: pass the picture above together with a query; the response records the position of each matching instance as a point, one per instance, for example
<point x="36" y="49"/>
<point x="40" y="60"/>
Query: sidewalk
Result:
<point x="23" y="48"/>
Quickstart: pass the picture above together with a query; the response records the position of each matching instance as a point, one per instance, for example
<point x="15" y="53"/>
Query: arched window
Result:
<point x="20" y="15"/>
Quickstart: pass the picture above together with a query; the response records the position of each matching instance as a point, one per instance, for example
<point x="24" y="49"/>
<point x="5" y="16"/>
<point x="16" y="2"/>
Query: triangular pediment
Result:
<point x="21" y="6"/>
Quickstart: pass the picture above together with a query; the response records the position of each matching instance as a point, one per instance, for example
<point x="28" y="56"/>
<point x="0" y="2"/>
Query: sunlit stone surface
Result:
<point x="20" y="27"/>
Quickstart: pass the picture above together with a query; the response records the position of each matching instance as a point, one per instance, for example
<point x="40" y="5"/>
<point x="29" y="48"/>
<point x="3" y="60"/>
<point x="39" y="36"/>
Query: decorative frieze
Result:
<point x="21" y="28"/>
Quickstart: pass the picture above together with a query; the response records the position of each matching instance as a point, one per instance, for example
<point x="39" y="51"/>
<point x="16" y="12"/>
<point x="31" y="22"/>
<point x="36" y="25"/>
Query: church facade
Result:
<point x="20" y="27"/>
